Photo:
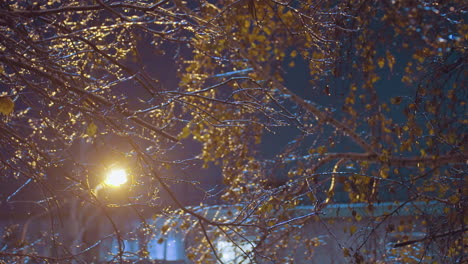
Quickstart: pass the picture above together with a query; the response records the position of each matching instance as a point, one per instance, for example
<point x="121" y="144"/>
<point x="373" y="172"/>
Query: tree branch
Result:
<point x="400" y="161"/>
<point x="94" y="97"/>
<point x="410" y="242"/>
<point x="43" y="12"/>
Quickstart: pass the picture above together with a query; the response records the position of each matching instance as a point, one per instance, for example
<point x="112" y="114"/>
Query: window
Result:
<point x="169" y="248"/>
<point x="239" y="252"/>
<point x="130" y="248"/>
<point x="162" y="249"/>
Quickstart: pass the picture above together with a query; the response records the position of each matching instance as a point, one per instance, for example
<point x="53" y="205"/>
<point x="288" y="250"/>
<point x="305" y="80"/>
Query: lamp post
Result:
<point x="91" y="220"/>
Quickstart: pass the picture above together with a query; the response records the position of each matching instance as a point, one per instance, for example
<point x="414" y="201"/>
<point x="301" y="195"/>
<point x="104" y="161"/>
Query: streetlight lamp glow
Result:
<point x="116" y="177"/>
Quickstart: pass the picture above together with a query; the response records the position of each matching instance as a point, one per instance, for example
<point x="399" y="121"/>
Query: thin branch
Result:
<point x="94" y="97"/>
<point x="410" y="242"/>
<point x="73" y="9"/>
<point x="209" y="241"/>
<point x="399" y="161"/>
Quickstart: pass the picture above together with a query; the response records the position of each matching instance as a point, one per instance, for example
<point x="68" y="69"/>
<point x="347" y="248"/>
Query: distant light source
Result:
<point x="116" y="177"/>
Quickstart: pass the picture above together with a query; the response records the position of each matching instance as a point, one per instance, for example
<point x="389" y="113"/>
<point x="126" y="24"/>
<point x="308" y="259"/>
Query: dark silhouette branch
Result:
<point x="429" y="237"/>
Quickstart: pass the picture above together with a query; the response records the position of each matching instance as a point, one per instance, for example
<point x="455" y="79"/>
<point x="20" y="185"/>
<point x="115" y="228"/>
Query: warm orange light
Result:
<point x="116" y="177"/>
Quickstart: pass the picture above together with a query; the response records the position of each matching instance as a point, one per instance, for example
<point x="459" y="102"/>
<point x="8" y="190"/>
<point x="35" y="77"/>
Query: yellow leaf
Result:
<point x="185" y="133"/>
<point x="390" y="60"/>
<point x="381" y="62"/>
<point x="293" y="53"/>
<point x="266" y="208"/>
<point x="396" y="100"/>
<point x="91" y="129"/>
<point x="322" y="150"/>
<point x="423" y="153"/>
<point x="6" y="105"/>
<point x="454" y="199"/>
<point x="358" y="217"/>
<point x="311" y="197"/>
<point x="384" y="173"/>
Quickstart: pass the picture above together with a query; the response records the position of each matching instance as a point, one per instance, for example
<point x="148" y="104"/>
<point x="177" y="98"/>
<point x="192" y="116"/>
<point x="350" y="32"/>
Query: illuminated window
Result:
<point x="130" y="248"/>
<point x="163" y="249"/>
<point x="235" y="253"/>
<point x="169" y="248"/>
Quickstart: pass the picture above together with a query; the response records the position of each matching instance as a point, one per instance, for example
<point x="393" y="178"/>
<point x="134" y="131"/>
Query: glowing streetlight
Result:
<point x="116" y="177"/>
